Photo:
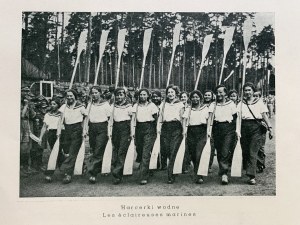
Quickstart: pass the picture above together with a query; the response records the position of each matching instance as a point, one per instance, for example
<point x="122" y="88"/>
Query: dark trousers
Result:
<point x="51" y="140"/>
<point x="225" y="141"/>
<point x="171" y="137"/>
<point x="261" y="153"/>
<point x="145" y="136"/>
<point x="121" y="141"/>
<point x="98" y="139"/>
<point x="73" y="141"/>
<point x="196" y="140"/>
<point x="36" y="155"/>
<point x="212" y="152"/>
<point x="251" y="137"/>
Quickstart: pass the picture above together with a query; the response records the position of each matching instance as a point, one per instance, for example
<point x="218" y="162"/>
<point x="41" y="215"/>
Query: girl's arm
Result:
<point x="266" y="119"/>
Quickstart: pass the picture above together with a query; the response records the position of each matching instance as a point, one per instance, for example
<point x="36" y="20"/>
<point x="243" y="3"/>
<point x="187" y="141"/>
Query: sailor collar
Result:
<point x="225" y="103"/>
<point x="98" y="104"/>
<point x="57" y="114"/>
<point x="175" y="102"/>
<point x="200" y="108"/>
<point x="123" y="105"/>
<point x="254" y="102"/>
<point x="75" y="106"/>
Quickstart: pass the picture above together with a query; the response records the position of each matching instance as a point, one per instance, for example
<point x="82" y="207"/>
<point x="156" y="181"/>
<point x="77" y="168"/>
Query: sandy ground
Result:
<point x="34" y="186"/>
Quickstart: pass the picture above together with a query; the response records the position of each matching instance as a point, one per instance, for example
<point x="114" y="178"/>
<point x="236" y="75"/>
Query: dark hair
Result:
<point x="222" y="86"/>
<point x="74" y="93"/>
<point x="212" y="94"/>
<point x="258" y="92"/>
<point x="120" y="89"/>
<point x="96" y="87"/>
<point x="184" y="92"/>
<point x="198" y="93"/>
<point x="147" y="91"/>
<point x="111" y="88"/>
<point x="249" y="84"/>
<point x="57" y="101"/>
<point x="232" y="91"/>
<point x="158" y="93"/>
<point x="175" y="88"/>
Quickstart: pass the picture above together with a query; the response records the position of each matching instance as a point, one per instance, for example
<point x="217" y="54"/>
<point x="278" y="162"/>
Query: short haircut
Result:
<point x="175" y="88"/>
<point x="197" y="92"/>
<point x="156" y="92"/>
<point x="232" y="91"/>
<point x="147" y="91"/>
<point x="249" y="84"/>
<point x="120" y="89"/>
<point x="184" y="92"/>
<point x="96" y="87"/>
<point x="74" y="93"/>
<point x="222" y="86"/>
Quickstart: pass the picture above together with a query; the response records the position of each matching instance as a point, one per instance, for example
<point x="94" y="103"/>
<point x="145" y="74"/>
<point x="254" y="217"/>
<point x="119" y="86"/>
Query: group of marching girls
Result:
<point x="214" y="117"/>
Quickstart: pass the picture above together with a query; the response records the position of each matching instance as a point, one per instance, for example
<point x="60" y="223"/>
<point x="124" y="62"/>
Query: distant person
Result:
<point x="233" y="96"/>
<point x="156" y="98"/>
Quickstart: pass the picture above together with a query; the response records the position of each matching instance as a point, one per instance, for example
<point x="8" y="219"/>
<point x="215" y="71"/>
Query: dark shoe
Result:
<point x="199" y="181"/>
<point x="117" y="181"/>
<point x="185" y="171"/>
<point x="164" y="168"/>
<point x="92" y="179"/>
<point x="224" y="179"/>
<point x="143" y="182"/>
<point x="171" y="180"/>
<point x="252" y="181"/>
<point x="259" y="169"/>
<point x="67" y="179"/>
<point x="48" y="179"/>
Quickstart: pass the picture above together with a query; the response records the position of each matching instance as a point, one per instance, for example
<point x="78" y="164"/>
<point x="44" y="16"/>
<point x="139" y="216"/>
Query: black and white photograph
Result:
<point x="149" y="112"/>
<point x="147" y="104"/>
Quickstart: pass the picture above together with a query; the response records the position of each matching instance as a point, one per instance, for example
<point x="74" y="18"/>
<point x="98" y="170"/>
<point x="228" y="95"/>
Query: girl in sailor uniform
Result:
<point x="223" y="129"/>
<point x="73" y="114"/>
<point x="121" y="132"/>
<point x="51" y="121"/>
<point x="171" y="129"/>
<point x="145" y="114"/>
<point x="197" y="130"/>
<point x="100" y="112"/>
<point x="208" y="98"/>
<point x="253" y="112"/>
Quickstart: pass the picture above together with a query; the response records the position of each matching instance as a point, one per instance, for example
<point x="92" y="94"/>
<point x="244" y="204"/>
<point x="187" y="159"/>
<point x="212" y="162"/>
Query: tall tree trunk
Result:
<point x="133" y="72"/>
<point x="183" y="68"/>
<point x="159" y="69"/>
<point x="57" y="44"/>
